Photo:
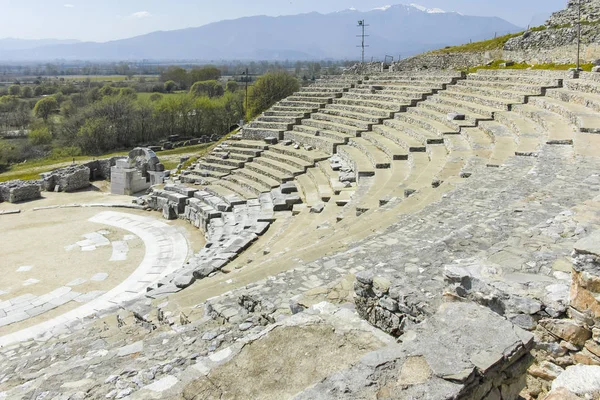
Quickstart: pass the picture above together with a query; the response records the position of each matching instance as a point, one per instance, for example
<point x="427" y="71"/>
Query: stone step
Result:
<point x="376" y="156"/>
<point x="263" y="175"/>
<point x="298" y="104"/>
<point x="267" y="171"/>
<point x="387" y="106"/>
<point x="558" y="128"/>
<point x="422" y="77"/>
<point x="298" y="109"/>
<point x="480" y="102"/>
<point x="524" y="73"/>
<point x="233" y="155"/>
<point x="473" y="110"/>
<point x="253" y="186"/>
<point x="440" y="108"/>
<point x="309" y="192"/>
<point x="583" y="85"/>
<point x="589" y="100"/>
<point x="361" y="125"/>
<point x="310" y="157"/>
<point x="333" y="177"/>
<point x="198" y="176"/>
<point x="308" y="99"/>
<point x="431" y="120"/>
<point x="529" y="79"/>
<point x="326" y="133"/>
<point x="316" y="94"/>
<point x="279" y="119"/>
<point x="323" y="89"/>
<point x="275" y="164"/>
<point x="330" y="126"/>
<point x="405" y="98"/>
<point x="208" y="166"/>
<point x="366" y="117"/>
<point x="295" y="114"/>
<point x="234" y="187"/>
<point x="388" y="146"/>
<point x="248" y="144"/>
<point x="401" y="86"/>
<point x="325" y="144"/>
<point x="590" y="76"/>
<point x="511" y="86"/>
<point x="522" y="126"/>
<point x="292" y="163"/>
<point x="360" y="162"/>
<point x="586" y="119"/>
<point x="367" y="112"/>
<point x="321" y="181"/>
<point x="228" y="162"/>
<point x="229" y="196"/>
<point x="479" y="137"/>
<point x="400" y="137"/>
<point x="261" y="133"/>
<point x="505" y="96"/>
<point x="394" y="92"/>
<point x="264" y="125"/>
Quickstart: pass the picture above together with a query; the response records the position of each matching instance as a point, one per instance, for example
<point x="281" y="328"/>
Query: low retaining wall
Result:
<point x="17" y="191"/>
<point x="67" y="179"/>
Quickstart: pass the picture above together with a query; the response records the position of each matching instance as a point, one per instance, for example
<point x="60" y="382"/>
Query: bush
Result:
<point x="40" y="136"/>
<point x="207" y="88"/>
<point x="154" y="97"/>
<point x="14" y="90"/>
<point x="170" y="86"/>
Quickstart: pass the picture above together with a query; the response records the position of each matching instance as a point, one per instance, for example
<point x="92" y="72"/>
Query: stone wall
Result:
<point x="67" y="179"/>
<point x="590" y="11"/>
<point x="100" y="169"/>
<point x="17" y="191"/>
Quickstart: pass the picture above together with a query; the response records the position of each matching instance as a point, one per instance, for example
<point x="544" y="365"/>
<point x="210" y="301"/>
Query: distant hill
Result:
<point x="393" y="30"/>
<point x="25" y="44"/>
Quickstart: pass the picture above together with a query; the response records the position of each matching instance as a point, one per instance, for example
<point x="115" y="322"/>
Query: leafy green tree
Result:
<point x="45" y="107"/>
<point x="108" y="90"/>
<point x="40" y="136"/>
<point x="231" y="86"/>
<point x="14" y="90"/>
<point x="207" y="73"/>
<point x="268" y="90"/>
<point x="155" y="97"/>
<point x="207" y="88"/>
<point x="170" y="86"/>
<point x="128" y="92"/>
<point x="27" y="92"/>
<point x="38" y="91"/>
<point x="96" y="135"/>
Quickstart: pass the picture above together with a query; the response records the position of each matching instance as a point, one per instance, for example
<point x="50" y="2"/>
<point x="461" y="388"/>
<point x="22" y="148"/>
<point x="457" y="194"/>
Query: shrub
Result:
<point x="40" y="136"/>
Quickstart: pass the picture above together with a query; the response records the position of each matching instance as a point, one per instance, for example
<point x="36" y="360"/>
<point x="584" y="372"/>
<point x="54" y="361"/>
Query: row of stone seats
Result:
<point x="290" y="111"/>
<point x="230" y="227"/>
<point x="375" y="100"/>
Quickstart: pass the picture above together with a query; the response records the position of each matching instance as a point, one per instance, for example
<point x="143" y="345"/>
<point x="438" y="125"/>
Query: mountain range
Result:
<point x="393" y="30"/>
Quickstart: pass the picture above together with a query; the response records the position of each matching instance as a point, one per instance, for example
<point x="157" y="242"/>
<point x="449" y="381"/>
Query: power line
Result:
<point x="362" y="25"/>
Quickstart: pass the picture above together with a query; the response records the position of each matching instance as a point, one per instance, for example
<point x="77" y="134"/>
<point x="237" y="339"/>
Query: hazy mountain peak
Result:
<point x="427" y="10"/>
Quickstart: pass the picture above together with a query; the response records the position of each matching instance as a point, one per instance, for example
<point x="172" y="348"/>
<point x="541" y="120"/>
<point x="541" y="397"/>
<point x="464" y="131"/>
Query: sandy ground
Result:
<point x="45" y="242"/>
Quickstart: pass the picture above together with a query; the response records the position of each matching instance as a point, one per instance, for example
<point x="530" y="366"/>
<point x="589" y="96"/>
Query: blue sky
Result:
<point x="102" y="20"/>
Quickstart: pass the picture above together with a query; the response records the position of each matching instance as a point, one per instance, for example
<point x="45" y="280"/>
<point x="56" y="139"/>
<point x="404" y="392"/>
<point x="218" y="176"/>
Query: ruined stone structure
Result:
<point x="67" y="179"/>
<point x="137" y="173"/>
<point x="17" y="191"/>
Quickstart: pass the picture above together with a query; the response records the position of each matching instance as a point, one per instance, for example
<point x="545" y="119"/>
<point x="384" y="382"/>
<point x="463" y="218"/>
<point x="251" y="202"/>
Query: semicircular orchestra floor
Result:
<point x="61" y="265"/>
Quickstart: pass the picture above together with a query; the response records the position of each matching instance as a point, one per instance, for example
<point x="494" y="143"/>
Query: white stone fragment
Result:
<point x="30" y="282"/>
<point x="24" y="268"/>
<point x="99" y="277"/>
<point x="164" y="384"/>
<point x="579" y="379"/>
<point x="120" y="250"/>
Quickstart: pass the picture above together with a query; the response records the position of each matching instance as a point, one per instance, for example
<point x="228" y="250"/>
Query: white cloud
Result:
<point x="69" y="6"/>
<point x="140" y="14"/>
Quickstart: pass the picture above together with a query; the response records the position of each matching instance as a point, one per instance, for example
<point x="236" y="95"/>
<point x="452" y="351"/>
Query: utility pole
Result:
<point x="578" y="33"/>
<point x="362" y="25"/>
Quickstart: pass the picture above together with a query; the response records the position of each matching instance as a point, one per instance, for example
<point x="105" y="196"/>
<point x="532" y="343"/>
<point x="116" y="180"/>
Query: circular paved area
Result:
<point x="60" y="265"/>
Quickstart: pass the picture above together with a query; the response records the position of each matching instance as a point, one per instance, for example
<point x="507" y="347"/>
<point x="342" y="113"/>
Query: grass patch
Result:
<point x="485" y="45"/>
<point x="523" y="66"/>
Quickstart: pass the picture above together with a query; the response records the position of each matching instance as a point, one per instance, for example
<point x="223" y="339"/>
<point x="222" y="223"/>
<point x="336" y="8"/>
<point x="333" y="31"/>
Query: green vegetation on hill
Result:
<point x="485" y="45"/>
<point x="550" y="66"/>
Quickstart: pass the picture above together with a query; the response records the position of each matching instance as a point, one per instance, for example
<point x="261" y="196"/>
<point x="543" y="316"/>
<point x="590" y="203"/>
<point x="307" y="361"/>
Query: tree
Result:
<point x="14" y="90"/>
<point x="170" y="86"/>
<point x="208" y="73"/>
<point x="45" y="107"/>
<point x="27" y="92"/>
<point x="207" y="88"/>
<point x="38" y="91"/>
<point x="231" y="86"/>
<point x="108" y="90"/>
<point x="268" y="90"/>
<point x="155" y="97"/>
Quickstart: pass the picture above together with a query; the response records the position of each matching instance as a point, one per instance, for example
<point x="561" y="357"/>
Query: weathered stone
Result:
<point x="545" y="370"/>
<point x="580" y="380"/>
<point x="567" y="330"/>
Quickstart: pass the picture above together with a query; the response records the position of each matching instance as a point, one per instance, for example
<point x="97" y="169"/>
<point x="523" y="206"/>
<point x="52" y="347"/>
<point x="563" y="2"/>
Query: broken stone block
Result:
<point x="456" y="117"/>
